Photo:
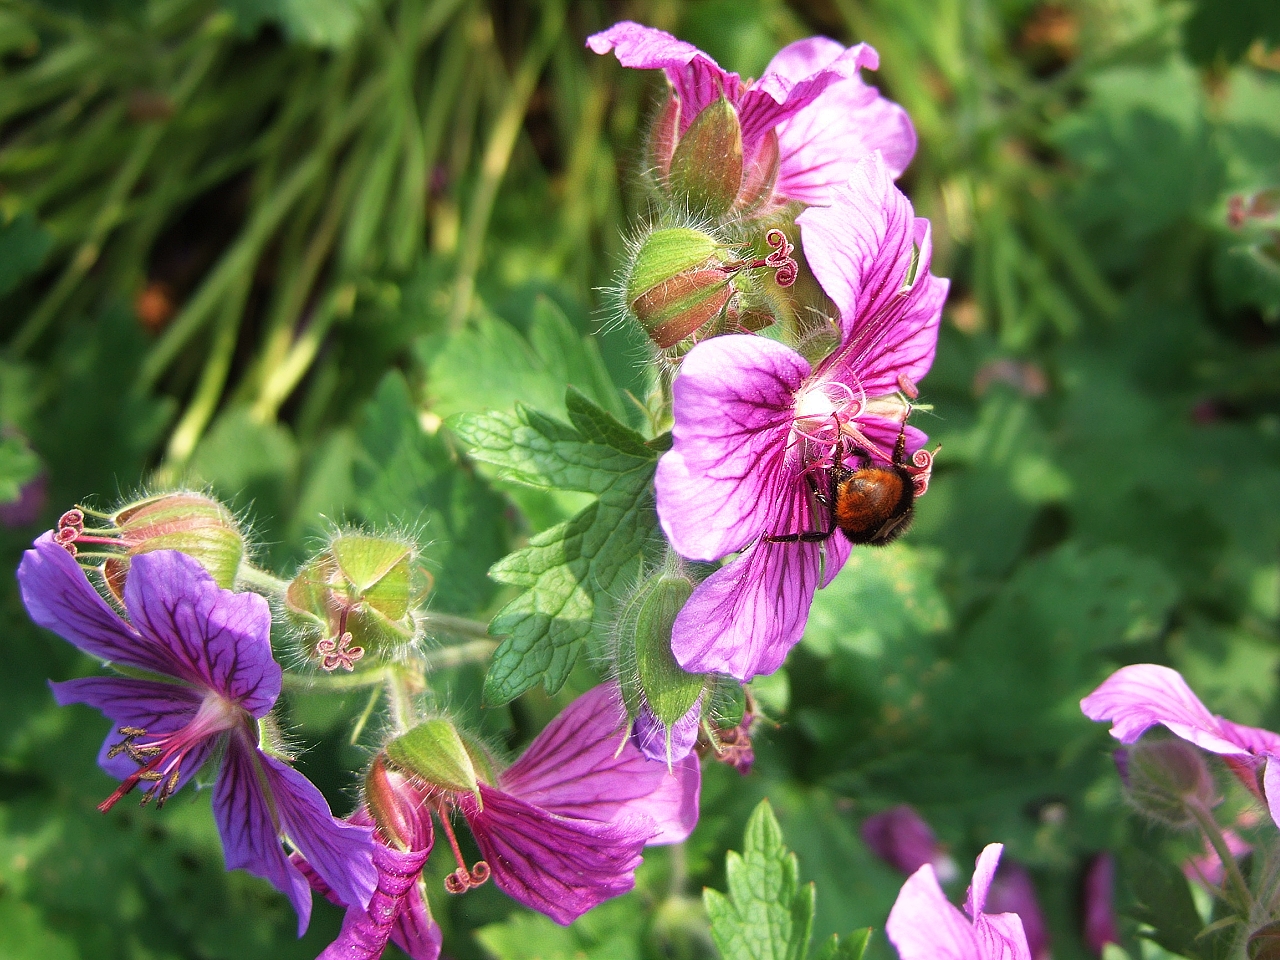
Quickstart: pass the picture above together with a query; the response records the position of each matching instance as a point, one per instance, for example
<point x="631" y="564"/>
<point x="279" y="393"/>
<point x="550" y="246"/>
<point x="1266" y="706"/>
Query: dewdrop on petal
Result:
<point x="191" y="523"/>
<point x="355" y="600"/>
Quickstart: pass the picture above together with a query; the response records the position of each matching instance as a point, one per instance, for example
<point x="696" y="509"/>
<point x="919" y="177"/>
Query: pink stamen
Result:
<point x="462" y="879"/>
<point x="338" y="653"/>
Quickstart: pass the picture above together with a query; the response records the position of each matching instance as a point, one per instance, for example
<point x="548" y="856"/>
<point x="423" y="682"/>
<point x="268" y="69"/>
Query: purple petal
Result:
<point x="59" y="597"/>
<point x="1099" y="907"/>
<point x="249" y="838"/>
<point x="746" y="617"/>
<point x="729" y="475"/>
<point x="1138" y="697"/>
<point x="923" y="925"/>
<point x="697" y="79"/>
<point x="984" y="871"/>
<point x="211" y="637"/>
<point x="901" y="838"/>
<point x="657" y="742"/>
<point x="158" y="708"/>
<point x="574" y="768"/>
<point x="340" y="852"/>
<point x="416" y="931"/>
<point x="1271" y="788"/>
<point x="1001" y="937"/>
<point x="365" y="932"/>
<point x="863" y="249"/>
<point x="555" y="865"/>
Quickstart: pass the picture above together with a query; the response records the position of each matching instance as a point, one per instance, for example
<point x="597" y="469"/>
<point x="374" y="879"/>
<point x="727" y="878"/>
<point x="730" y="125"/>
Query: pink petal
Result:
<point x="1001" y="937"/>
<point x="365" y="932"/>
<point x="923" y="925"/>
<point x="728" y="476"/>
<point x="574" y="768"/>
<point x="1138" y="697"/>
<point x="744" y="619"/>
<point x="984" y="871"/>
<point x="416" y="931"/>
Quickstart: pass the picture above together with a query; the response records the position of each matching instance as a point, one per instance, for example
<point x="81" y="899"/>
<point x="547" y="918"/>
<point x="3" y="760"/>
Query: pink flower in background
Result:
<point x="209" y="652"/>
<point x="754" y="423"/>
<point x="1099" y="903"/>
<point x="923" y="925"/>
<point x="1207" y="869"/>
<point x="811" y="96"/>
<point x="1139" y="697"/>
<point x="901" y="838"/>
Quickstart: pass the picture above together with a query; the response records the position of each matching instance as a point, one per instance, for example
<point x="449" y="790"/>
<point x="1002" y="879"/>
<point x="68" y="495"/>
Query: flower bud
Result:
<point x="663" y="136"/>
<point x="901" y="838"/>
<point x="435" y="753"/>
<point x="192" y="523"/>
<point x="397" y="806"/>
<point x="355" y="598"/>
<point x="1264" y="943"/>
<point x="663" y="700"/>
<point x="1166" y="778"/>
<point x="706" y="167"/>
<point x="677" y="284"/>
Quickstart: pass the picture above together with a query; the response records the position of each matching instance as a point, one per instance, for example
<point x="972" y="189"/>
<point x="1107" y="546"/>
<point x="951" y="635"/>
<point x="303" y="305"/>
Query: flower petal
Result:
<point x="728" y="476"/>
<point x="416" y="931"/>
<point x="697" y="79"/>
<point x="59" y="597"/>
<point x="664" y="745"/>
<point x="211" y="637"/>
<point x="984" y="871"/>
<point x="158" y="708"/>
<point x="249" y="838"/>
<point x="746" y="617"/>
<point x="574" y="768"/>
<point x="555" y="865"/>
<point x="364" y="932"/>
<point x="340" y="852"/>
<point x="1140" y="696"/>
<point x="1002" y="937"/>
<point x="923" y="925"/>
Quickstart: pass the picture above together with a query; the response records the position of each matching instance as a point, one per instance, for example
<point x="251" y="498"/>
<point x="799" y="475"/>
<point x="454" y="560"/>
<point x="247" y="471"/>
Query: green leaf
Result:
<point x="767" y="914"/>
<point x="1163" y="901"/>
<point x="606" y="933"/>
<point x="24" y="244"/>
<point x="569" y="571"/>
<point x="17" y="465"/>
<point x="316" y="23"/>
<point x="851" y="947"/>
<point x="489" y="366"/>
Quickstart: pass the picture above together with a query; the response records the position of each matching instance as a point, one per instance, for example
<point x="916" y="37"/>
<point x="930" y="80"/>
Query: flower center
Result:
<point x="160" y="756"/>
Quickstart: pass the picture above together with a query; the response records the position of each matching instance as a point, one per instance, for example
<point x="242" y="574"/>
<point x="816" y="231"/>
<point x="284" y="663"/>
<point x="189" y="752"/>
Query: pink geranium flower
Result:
<point x="1139" y="697"/>
<point x="560" y="830"/>
<point x="755" y="424"/>
<point x="811" y="96"/>
<point x="923" y="925"/>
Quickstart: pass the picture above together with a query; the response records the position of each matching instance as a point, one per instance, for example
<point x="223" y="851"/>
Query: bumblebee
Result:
<point x="872" y="504"/>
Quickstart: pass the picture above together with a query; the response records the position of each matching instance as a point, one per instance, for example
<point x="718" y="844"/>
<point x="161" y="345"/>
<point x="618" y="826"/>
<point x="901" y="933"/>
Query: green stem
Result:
<point x="1213" y="833"/>
<point x="336" y="681"/>
<point x="400" y="697"/>
<point x="475" y="651"/>
<point x="260" y="581"/>
<point x="497" y="157"/>
<point x="457" y="626"/>
<point x="115" y="203"/>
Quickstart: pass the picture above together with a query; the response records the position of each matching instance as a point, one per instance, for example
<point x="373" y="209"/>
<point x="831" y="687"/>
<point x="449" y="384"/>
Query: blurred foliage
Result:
<point x="270" y="246"/>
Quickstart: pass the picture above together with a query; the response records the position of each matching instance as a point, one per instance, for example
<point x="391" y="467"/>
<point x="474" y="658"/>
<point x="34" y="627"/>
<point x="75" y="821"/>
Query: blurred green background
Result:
<point x="269" y="245"/>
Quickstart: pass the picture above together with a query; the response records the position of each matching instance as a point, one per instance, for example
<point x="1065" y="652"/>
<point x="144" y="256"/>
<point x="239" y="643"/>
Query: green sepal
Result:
<point x="434" y="752"/>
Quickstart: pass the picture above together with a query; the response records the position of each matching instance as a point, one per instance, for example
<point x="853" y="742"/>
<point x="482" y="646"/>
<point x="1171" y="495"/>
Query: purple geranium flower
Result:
<point x="1144" y="695"/>
<point x="209" y="652"/>
<point x="562" y="828"/>
<point x="755" y="423"/>
<point x="923" y="925"/>
<point x="810" y="96"/>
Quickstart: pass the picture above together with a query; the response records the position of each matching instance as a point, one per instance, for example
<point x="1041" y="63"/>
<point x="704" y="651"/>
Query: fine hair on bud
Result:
<point x="1169" y="781"/>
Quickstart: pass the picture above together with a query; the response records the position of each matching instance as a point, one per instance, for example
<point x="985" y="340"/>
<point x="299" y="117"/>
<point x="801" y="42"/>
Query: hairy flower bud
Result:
<point x="191" y="523"/>
<point x="356" y="598"/>
<point x="1264" y="943"/>
<point x="706" y="167"/>
<point x="396" y="805"/>
<point x="1166" y="778"/>
<point x="677" y="284"/>
<point x="663" y="701"/>
<point x="435" y="753"/>
<point x="663" y="136"/>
